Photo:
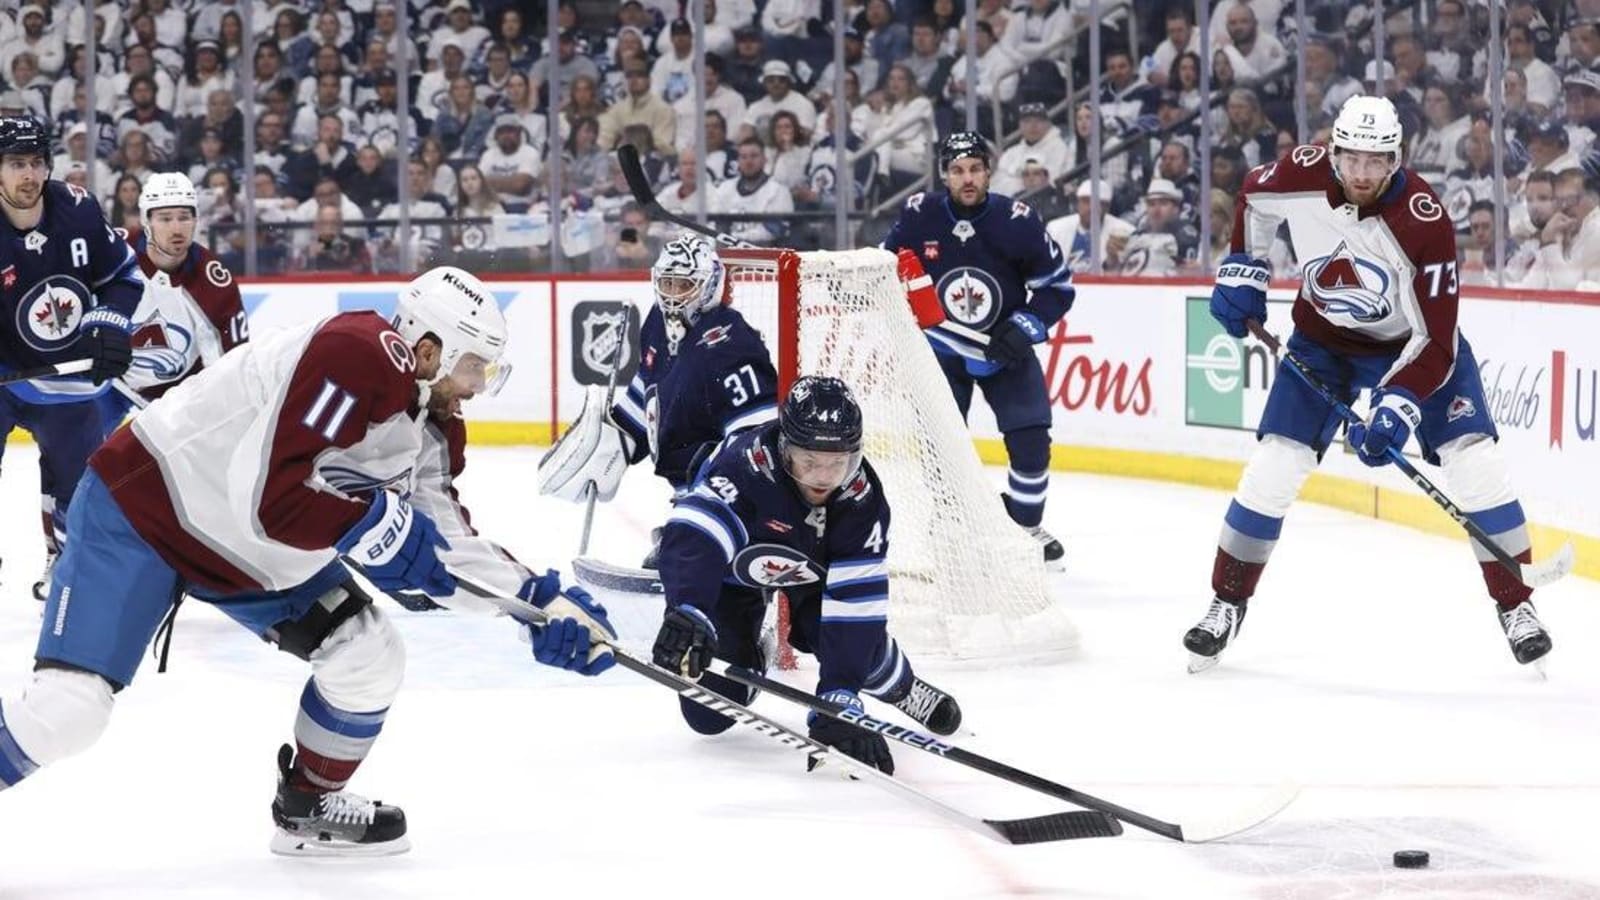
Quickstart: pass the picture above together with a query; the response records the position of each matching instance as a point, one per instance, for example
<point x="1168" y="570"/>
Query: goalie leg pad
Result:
<point x="62" y="712"/>
<point x="356" y="673"/>
<point x="1480" y="483"/>
<point x="592" y="450"/>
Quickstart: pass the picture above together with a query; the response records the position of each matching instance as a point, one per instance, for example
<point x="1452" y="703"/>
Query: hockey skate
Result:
<point x="1206" y="640"/>
<point x="1526" y="635"/>
<point x="41" y="588"/>
<point x="935" y="709"/>
<point x="1055" y="556"/>
<point x="338" y="823"/>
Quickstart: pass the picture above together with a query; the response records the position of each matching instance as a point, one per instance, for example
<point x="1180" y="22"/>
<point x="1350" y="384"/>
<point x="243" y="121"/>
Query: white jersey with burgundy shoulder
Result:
<point x="244" y="476"/>
<point x="185" y="321"/>
<point x="1377" y="280"/>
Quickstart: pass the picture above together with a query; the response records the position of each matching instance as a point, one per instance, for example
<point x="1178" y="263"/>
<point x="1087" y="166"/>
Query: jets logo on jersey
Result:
<point x="715" y="335"/>
<point x="48" y="316"/>
<point x="774" y="565"/>
<point x="778" y="527"/>
<point x="971" y="296"/>
<point x="1343" y="284"/>
<point x="161" y="349"/>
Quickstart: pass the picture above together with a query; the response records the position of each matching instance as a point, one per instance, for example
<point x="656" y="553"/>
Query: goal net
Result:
<point x="965" y="581"/>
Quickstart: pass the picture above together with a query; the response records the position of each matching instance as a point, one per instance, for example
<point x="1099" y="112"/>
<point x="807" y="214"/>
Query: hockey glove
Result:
<point x="686" y="642"/>
<point x="1395" y="414"/>
<point x="106" y="343"/>
<point x="1241" y="292"/>
<point x="576" y="636"/>
<point x="398" y="548"/>
<point x="1011" y="342"/>
<point x="865" y="746"/>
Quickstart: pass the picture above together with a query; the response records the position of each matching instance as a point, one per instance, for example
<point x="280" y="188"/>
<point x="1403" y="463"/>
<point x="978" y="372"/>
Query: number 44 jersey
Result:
<point x="1376" y="280"/>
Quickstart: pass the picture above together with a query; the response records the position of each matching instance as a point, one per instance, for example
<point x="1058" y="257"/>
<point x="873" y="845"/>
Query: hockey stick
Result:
<point x="1061" y="826"/>
<point x="645" y="196"/>
<point x="598" y="572"/>
<point x="1192" y="832"/>
<point x="591" y="490"/>
<point x="71" y="367"/>
<point x="1532" y="574"/>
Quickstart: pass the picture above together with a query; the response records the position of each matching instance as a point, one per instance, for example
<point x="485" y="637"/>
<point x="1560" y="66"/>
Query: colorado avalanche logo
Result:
<point x="774" y="565"/>
<point x="971" y="296"/>
<point x="47" y="317"/>
<point x="161" y="349"/>
<point x="1343" y="284"/>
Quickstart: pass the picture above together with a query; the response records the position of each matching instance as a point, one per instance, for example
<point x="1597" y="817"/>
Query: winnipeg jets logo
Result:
<point x="47" y="318"/>
<point x="774" y="565"/>
<point x="715" y="335"/>
<point x="1342" y="284"/>
<point x="970" y="295"/>
<point x="161" y="349"/>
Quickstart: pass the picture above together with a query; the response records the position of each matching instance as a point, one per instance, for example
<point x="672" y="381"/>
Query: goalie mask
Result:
<point x="454" y="308"/>
<point x="820" y="436"/>
<point x="688" y="279"/>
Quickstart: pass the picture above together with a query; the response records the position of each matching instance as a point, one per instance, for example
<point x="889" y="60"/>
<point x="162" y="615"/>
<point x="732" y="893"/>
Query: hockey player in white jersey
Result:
<point x="243" y="483"/>
<point x="1377" y="309"/>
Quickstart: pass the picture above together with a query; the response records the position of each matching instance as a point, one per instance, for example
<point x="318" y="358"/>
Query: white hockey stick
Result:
<point x="597" y="572"/>
<point x="1033" y="830"/>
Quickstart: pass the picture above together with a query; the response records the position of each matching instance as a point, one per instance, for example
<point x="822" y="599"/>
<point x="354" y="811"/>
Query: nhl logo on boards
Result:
<point x="47" y="318"/>
<point x="603" y="332"/>
<point x="971" y="296"/>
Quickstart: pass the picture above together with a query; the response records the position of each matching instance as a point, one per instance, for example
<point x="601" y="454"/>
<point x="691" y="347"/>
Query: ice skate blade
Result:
<point x="1198" y="663"/>
<point x="286" y="844"/>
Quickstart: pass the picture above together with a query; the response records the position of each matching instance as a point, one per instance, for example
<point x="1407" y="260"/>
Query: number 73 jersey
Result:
<point x="1376" y="280"/>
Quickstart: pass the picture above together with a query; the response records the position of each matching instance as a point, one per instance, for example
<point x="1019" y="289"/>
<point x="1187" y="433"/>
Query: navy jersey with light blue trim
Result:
<point x="744" y="522"/>
<point x="720" y="381"/>
<point x="51" y="276"/>
<point x="984" y="268"/>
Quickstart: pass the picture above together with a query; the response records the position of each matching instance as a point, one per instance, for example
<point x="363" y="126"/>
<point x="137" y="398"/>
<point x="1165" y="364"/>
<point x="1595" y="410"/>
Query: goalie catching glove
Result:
<point x="577" y="635"/>
<point x="592" y="451"/>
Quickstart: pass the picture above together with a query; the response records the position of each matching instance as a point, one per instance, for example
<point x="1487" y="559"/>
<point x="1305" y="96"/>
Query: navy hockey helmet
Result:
<point x="24" y="135"/>
<point x="821" y="414"/>
<point x="962" y="144"/>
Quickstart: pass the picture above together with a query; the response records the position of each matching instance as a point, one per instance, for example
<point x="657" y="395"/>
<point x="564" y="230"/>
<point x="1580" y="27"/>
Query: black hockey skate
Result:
<point x="1206" y="640"/>
<point x="1525" y="633"/>
<point x="1055" y="555"/>
<point x="338" y="823"/>
<point x="935" y="709"/>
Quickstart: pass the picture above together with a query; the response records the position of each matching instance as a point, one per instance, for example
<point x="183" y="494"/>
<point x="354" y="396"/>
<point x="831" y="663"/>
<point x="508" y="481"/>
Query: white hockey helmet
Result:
<point x="1369" y="124"/>
<point x="163" y="190"/>
<point x="688" y="278"/>
<point x="452" y="306"/>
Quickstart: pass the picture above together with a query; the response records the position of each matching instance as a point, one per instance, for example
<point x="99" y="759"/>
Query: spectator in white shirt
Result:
<point x="1260" y="49"/>
<point x="1182" y="37"/>
<point x="459" y="27"/>
<point x="46" y="46"/>
<point x="753" y="192"/>
<point x="719" y="97"/>
<point x="1041" y="140"/>
<point x="778" y="81"/>
<point x="672" y="76"/>
<point x="1035" y="28"/>
<point x="511" y="167"/>
<point x="997" y="71"/>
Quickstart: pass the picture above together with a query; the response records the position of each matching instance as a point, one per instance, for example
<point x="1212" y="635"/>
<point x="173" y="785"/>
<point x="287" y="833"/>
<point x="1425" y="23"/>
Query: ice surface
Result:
<point x="1371" y="669"/>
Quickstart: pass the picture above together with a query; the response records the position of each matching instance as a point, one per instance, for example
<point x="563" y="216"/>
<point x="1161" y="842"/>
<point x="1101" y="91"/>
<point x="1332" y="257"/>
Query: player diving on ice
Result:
<point x="242" y="487"/>
<point x="1376" y="309"/>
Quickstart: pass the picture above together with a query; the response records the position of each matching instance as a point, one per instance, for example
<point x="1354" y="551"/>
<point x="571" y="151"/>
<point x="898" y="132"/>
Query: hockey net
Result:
<point x="965" y="581"/>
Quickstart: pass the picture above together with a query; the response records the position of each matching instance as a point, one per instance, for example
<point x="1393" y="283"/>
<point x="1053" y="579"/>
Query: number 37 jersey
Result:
<point x="1377" y="280"/>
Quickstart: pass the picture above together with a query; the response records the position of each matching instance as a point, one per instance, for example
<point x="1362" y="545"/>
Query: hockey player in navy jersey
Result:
<point x="704" y="375"/>
<point x="996" y="271"/>
<point x="68" y="287"/>
<point x="792" y="505"/>
<point x="1376" y="309"/>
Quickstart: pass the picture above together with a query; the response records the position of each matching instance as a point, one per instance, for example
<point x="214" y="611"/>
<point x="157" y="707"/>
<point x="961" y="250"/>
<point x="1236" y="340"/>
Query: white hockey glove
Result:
<point x="592" y="450"/>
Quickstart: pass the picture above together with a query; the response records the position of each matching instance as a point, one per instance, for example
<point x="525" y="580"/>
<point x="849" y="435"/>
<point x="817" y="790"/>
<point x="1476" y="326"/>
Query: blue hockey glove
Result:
<point x="1011" y="342"/>
<point x="105" y="341"/>
<point x="398" y="548"/>
<point x="686" y="642"/>
<point x="1241" y="292"/>
<point x="1395" y="414"/>
<point x="576" y="636"/>
<point x="865" y="746"/>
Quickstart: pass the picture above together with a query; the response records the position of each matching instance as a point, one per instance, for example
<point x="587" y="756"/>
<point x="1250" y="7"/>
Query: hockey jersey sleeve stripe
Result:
<point x="843" y="571"/>
<point x="632" y="409"/>
<point x="707" y="525"/>
<point x="955" y="344"/>
<point x="702" y="497"/>
<point x="127" y="270"/>
<point x="871" y="611"/>
<point x="758" y="416"/>
<point x="1061" y="277"/>
<point x="859" y="591"/>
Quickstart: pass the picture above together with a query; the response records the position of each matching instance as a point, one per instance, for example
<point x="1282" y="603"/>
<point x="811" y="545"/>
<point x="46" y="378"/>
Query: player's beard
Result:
<point x="23" y="197"/>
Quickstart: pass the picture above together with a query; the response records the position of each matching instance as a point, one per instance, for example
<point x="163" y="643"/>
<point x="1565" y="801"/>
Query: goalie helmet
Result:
<point x="454" y="308"/>
<point x="688" y="278"/>
<point x="164" y="190"/>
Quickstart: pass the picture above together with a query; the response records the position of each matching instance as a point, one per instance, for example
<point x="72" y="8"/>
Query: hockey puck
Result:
<point x="1411" y="859"/>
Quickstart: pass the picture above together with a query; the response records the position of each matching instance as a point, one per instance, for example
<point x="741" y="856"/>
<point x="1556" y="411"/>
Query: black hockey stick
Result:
<point x="1532" y="574"/>
<point x="1192" y="832"/>
<point x="645" y="196"/>
<point x="1061" y="826"/>
<point x="70" y="367"/>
